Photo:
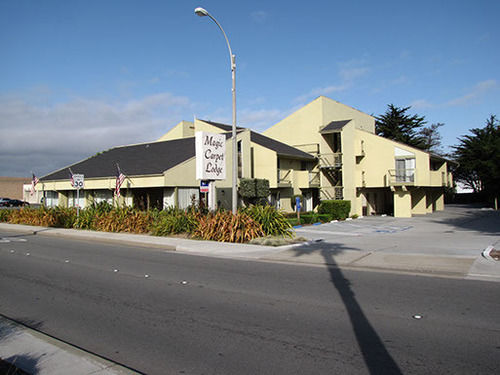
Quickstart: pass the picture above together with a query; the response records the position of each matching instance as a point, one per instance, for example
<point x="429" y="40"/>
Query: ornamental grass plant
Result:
<point x="48" y="217"/>
<point x="272" y="221"/>
<point x="174" y="221"/>
<point x="5" y="215"/>
<point x="224" y="226"/>
<point x="249" y="223"/>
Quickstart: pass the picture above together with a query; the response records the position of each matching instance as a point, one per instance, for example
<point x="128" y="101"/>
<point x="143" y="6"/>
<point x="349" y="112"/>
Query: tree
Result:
<point x="478" y="156"/>
<point x="396" y="124"/>
<point x="432" y="138"/>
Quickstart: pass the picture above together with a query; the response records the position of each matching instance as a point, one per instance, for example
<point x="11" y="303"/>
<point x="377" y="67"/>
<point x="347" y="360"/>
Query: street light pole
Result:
<point x="203" y="13"/>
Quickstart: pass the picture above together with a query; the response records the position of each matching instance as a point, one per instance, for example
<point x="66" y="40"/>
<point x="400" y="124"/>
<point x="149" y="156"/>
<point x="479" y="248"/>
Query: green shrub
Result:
<point x="306" y="218"/>
<point x="313" y="217"/>
<point x="174" y="221"/>
<point x="293" y="221"/>
<point x="4" y="215"/>
<point x="63" y="217"/>
<point x="337" y="209"/>
<point x="254" y="190"/>
<point x="272" y="221"/>
<point x="324" y="218"/>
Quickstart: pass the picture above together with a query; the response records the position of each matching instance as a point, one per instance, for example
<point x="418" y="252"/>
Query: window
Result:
<point x="52" y="198"/>
<point x="240" y="161"/>
<point x="405" y="170"/>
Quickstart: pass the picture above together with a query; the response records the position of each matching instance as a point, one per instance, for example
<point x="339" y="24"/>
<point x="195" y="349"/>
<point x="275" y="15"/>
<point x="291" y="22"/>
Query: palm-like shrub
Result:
<point x="272" y="221"/>
<point x="174" y="221"/>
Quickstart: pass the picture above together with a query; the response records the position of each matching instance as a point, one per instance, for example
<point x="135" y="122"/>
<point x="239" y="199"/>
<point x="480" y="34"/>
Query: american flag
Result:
<point x="120" y="177"/>
<point x="71" y="180"/>
<point x="34" y="181"/>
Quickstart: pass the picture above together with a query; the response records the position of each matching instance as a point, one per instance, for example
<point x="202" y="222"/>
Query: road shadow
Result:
<point x="20" y="365"/>
<point x="27" y="234"/>
<point x="473" y="218"/>
<point x="375" y="355"/>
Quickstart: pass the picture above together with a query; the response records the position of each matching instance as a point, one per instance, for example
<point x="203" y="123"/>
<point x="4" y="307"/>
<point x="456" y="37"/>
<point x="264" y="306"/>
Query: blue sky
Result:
<point x="78" y="77"/>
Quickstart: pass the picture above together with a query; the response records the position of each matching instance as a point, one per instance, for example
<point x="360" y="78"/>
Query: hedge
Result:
<point x="337" y="209"/>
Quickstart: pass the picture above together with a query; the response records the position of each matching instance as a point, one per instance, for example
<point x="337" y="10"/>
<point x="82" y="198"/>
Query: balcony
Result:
<point x="333" y="160"/>
<point x="360" y="149"/>
<point x="401" y="177"/>
<point x="299" y="179"/>
<point x="332" y="193"/>
<point x="285" y="177"/>
<point x="314" y="179"/>
<point x="438" y="178"/>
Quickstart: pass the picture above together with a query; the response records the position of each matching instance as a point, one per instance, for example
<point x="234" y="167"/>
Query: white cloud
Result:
<point x="474" y="93"/>
<point x="471" y="96"/>
<point x="421" y="104"/>
<point x="318" y="91"/>
<point x="349" y="72"/>
<point x="254" y="119"/>
<point x="261" y="119"/>
<point x="259" y="16"/>
<point x="42" y="137"/>
<point x="352" y="73"/>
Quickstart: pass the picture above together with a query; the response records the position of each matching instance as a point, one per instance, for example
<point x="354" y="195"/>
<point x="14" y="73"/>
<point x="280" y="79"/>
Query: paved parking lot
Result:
<point x="459" y="230"/>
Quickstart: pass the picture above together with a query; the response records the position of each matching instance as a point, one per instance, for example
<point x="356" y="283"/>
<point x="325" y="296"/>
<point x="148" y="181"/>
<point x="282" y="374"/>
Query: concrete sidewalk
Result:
<point x="36" y="353"/>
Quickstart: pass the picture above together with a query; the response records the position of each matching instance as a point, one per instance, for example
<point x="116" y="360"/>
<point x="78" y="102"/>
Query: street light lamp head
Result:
<point x="201" y="12"/>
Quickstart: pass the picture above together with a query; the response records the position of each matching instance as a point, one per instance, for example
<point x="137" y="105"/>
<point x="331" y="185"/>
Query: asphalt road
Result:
<point x="200" y="315"/>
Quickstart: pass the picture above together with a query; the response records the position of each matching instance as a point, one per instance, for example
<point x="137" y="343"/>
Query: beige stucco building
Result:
<point x="376" y="174"/>
<point x="325" y="150"/>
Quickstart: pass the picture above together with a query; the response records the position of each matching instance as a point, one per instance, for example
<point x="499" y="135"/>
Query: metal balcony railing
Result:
<point x="333" y="160"/>
<point x="332" y="192"/>
<point x="314" y="179"/>
<point x="284" y="176"/>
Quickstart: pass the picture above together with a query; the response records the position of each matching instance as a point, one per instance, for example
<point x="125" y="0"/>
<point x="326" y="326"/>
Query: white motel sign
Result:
<point x="210" y="156"/>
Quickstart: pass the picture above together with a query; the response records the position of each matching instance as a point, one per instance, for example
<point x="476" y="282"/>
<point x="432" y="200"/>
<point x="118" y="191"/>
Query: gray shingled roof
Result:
<point x="155" y="158"/>
<point x="142" y="159"/>
<point x="334" y="126"/>
<point x="279" y="147"/>
<point x="225" y="127"/>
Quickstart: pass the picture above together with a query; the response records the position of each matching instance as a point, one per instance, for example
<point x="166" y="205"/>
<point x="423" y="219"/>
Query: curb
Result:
<point x="37" y="353"/>
<point x="434" y="265"/>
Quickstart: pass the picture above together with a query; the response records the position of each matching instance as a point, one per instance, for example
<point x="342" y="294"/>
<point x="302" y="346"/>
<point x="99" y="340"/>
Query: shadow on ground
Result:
<point x="473" y="218"/>
<point x="18" y="364"/>
<point x="375" y="355"/>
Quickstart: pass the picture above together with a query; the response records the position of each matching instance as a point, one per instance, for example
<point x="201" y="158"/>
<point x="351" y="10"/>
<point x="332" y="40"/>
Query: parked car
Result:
<point x="5" y="202"/>
<point x="17" y="203"/>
